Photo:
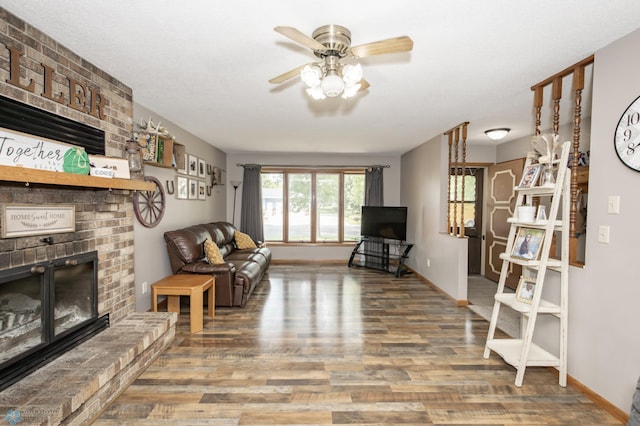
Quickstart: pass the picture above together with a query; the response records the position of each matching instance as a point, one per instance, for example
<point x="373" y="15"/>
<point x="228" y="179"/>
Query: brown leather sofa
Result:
<point x="236" y="278"/>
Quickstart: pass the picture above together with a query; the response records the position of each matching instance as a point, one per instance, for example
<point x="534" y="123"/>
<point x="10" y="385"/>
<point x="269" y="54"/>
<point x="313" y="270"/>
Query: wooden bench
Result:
<point x="192" y="285"/>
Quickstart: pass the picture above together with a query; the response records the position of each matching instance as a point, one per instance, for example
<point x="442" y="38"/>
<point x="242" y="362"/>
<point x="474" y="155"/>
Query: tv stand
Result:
<point x="381" y="254"/>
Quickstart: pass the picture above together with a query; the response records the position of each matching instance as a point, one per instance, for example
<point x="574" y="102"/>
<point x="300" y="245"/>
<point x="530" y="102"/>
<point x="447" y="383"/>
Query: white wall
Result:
<point x="330" y="252"/>
<point x="151" y="259"/>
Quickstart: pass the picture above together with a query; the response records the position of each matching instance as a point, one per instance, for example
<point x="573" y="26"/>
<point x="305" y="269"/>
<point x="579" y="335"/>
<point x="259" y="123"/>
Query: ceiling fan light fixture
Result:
<point x="350" y="90"/>
<point x="497" y="134"/>
<point x="316" y="93"/>
<point x="332" y="84"/>
<point x="311" y="75"/>
<point x="352" y="74"/>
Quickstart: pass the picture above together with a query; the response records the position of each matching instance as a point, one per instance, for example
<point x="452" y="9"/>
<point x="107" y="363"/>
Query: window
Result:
<point x="460" y="203"/>
<point x="312" y="206"/>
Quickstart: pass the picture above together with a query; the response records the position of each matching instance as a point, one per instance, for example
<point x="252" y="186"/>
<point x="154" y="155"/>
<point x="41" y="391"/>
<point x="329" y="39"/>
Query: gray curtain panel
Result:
<point x="373" y="196"/>
<point x="251" y="210"/>
<point x="373" y="187"/>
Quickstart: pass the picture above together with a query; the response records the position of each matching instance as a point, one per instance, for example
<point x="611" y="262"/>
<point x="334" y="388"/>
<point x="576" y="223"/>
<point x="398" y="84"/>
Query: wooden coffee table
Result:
<point x="192" y="285"/>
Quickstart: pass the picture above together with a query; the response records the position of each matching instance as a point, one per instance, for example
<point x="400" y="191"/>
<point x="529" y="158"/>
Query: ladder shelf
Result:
<point x="522" y="352"/>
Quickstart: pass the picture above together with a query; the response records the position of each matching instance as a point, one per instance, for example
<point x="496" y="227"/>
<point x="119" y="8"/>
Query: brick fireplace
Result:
<point x="104" y="219"/>
<point x="37" y="71"/>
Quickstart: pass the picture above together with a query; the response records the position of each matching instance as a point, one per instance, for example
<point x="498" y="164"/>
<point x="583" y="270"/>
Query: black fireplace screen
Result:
<point x="20" y="315"/>
<point x="45" y="309"/>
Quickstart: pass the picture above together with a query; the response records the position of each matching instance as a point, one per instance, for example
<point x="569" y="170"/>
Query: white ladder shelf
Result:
<point x="522" y="352"/>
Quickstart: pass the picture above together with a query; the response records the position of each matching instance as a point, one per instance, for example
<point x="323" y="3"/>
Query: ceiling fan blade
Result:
<point x="391" y="45"/>
<point x="288" y="75"/>
<point x="300" y="37"/>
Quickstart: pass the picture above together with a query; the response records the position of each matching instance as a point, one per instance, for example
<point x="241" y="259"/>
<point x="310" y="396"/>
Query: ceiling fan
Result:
<point x="328" y="77"/>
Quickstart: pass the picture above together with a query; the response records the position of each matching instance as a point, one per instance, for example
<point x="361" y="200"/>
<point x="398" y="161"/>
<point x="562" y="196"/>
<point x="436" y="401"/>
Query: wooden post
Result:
<point x="537" y="103"/>
<point x="464" y="160"/>
<point x="449" y="227"/>
<point x="578" y="86"/>
<point x="456" y="140"/>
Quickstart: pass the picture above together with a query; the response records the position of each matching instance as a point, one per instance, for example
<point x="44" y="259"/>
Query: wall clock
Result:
<point x="627" y="137"/>
<point x="148" y="206"/>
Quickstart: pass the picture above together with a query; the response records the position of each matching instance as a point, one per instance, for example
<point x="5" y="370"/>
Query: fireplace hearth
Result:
<point x="46" y="309"/>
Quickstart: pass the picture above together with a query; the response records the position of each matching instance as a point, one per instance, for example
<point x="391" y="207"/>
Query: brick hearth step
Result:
<point x="75" y="388"/>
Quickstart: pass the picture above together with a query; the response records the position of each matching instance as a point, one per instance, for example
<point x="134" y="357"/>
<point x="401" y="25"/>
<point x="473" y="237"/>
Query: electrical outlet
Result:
<point x="428" y="263"/>
<point x="145" y="287"/>
<point x="603" y="234"/>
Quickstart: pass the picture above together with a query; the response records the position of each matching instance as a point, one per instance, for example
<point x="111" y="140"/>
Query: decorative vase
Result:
<point x="548" y="175"/>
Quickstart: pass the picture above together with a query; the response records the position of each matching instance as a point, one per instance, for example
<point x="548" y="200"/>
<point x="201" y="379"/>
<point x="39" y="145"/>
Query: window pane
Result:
<point x="469" y="188"/>
<point x="328" y="205"/>
<point x="299" y="207"/>
<point x="272" y="212"/>
<point x="469" y="213"/>
<point x="353" y="200"/>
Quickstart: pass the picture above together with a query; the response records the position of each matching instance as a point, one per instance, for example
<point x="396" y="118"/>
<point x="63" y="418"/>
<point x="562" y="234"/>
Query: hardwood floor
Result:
<point x="332" y="345"/>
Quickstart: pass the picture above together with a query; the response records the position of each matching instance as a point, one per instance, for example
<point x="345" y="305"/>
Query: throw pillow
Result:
<point x="212" y="252"/>
<point x="243" y="241"/>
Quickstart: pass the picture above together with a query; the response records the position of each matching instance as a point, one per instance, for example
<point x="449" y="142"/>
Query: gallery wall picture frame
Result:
<point x="202" y="168"/>
<point x="528" y="243"/>
<point x="182" y="188"/>
<point x="530" y="176"/>
<point x="525" y="290"/>
<point x="192" y="165"/>
<point x="193" y="189"/>
<point x="185" y="165"/>
<point x="202" y="190"/>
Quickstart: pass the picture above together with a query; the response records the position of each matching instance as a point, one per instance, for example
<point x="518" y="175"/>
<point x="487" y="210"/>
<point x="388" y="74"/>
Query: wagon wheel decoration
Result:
<point x="149" y="205"/>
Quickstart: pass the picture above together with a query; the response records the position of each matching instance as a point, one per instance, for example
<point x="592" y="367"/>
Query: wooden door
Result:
<point x="502" y="179"/>
<point x="473" y="229"/>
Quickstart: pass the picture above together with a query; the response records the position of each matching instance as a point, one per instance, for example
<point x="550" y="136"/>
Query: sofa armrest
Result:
<point x="225" y="274"/>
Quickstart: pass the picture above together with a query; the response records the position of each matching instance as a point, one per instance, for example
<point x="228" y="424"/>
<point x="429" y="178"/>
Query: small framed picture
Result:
<point x="182" y="184"/>
<point x="202" y="190"/>
<point x="528" y="243"/>
<point x="193" y="189"/>
<point x="202" y="168"/>
<point x="525" y="290"/>
<point x="192" y="165"/>
<point x="182" y="163"/>
<point x="530" y="176"/>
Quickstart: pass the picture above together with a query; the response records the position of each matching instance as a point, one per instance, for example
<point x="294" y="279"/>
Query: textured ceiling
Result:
<point x="205" y="64"/>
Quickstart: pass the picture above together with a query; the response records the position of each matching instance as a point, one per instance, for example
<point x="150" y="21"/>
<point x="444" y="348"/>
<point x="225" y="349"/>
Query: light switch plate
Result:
<point x="613" y="205"/>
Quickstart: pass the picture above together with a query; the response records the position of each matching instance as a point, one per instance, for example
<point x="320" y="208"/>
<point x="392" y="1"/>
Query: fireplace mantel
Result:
<point x="28" y="176"/>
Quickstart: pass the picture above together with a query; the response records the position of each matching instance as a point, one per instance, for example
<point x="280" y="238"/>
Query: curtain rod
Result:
<point x="316" y="166"/>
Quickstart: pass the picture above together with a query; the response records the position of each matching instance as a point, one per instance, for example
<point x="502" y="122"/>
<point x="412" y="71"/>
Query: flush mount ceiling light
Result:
<point x="331" y="43"/>
<point x="497" y="134"/>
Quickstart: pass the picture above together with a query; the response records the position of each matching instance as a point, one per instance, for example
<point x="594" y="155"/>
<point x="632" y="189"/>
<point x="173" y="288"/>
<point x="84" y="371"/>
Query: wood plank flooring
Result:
<point x="326" y="344"/>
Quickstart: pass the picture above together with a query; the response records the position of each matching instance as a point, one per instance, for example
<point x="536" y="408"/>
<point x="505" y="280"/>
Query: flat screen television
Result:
<point x="384" y="222"/>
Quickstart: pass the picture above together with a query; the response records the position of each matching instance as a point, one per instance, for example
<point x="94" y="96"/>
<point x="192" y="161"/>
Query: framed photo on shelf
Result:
<point x="182" y="163"/>
<point x="182" y="184"/>
<point x="528" y="243"/>
<point x="525" y="290"/>
<point x="202" y="168"/>
<point x="193" y="189"/>
<point x="192" y="165"/>
<point x="202" y="190"/>
<point x="530" y="176"/>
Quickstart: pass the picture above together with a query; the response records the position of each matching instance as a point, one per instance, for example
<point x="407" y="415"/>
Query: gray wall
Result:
<point x="603" y="312"/>
<point x="151" y="260"/>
